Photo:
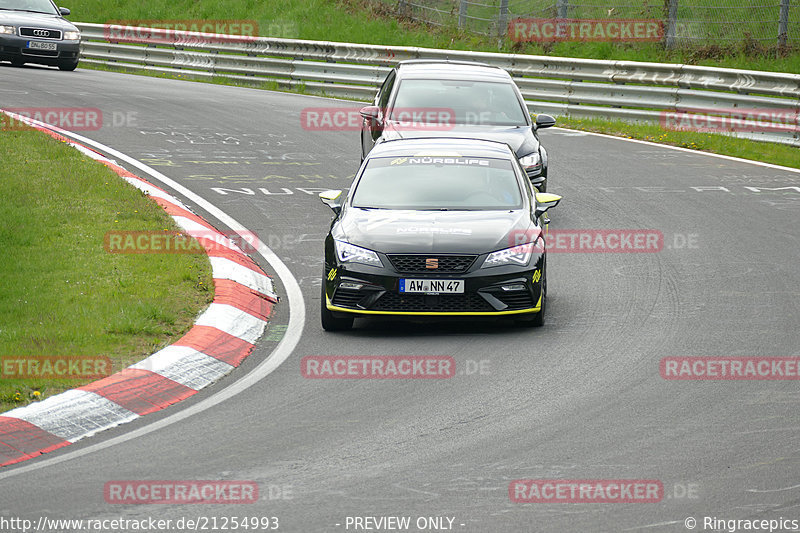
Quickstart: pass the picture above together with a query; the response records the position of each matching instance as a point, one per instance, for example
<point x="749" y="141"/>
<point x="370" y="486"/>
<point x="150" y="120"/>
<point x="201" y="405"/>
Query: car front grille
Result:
<point x="40" y="33"/>
<point x="424" y="263"/>
<point x="424" y="303"/>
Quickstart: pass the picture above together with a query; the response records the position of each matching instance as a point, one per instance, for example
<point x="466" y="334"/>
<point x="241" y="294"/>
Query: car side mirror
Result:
<point x="543" y="121"/>
<point x="332" y="199"/>
<point x="544" y="201"/>
<point x="64" y="11"/>
<point x="371" y="113"/>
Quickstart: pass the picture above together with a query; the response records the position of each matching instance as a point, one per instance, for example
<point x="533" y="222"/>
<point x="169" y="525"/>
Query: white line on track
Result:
<point x="687" y="150"/>
<point x="297" y="318"/>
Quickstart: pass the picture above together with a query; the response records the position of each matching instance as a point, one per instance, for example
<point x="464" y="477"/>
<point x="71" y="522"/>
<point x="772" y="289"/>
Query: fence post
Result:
<point x="502" y="19"/>
<point x="672" y="19"/>
<point x="562" y="9"/>
<point x="783" y="24"/>
<point x="462" y="14"/>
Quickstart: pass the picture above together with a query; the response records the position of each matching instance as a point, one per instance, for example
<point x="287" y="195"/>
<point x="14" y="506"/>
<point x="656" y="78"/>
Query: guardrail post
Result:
<point x="672" y="22"/>
<point x="783" y="24"/>
<point x="562" y="9"/>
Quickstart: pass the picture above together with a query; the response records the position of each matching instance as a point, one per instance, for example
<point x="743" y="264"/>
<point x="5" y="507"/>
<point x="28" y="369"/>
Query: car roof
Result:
<point x="424" y="69"/>
<point x="442" y="147"/>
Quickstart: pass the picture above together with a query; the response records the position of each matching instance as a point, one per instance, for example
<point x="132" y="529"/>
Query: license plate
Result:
<point x="441" y="286"/>
<point x="38" y="45"/>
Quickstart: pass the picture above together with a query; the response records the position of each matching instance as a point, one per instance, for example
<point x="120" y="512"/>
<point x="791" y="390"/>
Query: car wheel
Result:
<point x="67" y="65"/>
<point x="330" y="322"/>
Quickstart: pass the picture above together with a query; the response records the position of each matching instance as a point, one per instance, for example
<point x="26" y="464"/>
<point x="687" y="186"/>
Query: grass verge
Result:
<point x="62" y="293"/>
<point x="777" y="154"/>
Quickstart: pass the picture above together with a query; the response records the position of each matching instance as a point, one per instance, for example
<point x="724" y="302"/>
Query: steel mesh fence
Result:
<point x="685" y="22"/>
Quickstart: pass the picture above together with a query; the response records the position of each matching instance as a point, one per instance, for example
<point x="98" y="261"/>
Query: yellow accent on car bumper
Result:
<point x="424" y="313"/>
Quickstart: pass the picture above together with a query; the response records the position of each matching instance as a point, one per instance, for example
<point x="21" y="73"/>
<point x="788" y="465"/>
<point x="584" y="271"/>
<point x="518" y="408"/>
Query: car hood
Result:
<point x="38" y="20"/>
<point x="521" y="139"/>
<point x="445" y="232"/>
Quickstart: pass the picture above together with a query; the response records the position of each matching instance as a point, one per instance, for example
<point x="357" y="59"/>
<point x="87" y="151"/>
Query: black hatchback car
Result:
<point x="423" y="98"/>
<point x="35" y="31"/>
<point x="436" y="227"/>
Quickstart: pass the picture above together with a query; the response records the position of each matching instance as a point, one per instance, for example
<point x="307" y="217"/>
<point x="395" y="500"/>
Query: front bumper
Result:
<point x="14" y="47"/>
<point x="496" y="291"/>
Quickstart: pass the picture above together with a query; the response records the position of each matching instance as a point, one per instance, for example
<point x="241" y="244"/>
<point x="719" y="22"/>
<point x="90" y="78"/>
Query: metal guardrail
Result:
<point x="583" y="88"/>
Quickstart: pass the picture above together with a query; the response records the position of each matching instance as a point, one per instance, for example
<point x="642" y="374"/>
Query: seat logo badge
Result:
<point x="431" y="263"/>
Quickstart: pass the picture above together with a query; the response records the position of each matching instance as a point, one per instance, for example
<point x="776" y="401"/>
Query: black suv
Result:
<point x="35" y="31"/>
<point x="424" y="98"/>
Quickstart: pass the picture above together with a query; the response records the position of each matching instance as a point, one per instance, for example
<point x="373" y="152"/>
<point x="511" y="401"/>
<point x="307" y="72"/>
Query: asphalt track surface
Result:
<point x="581" y="398"/>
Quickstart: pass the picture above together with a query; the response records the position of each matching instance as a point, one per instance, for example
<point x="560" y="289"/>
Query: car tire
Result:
<point x="67" y="65"/>
<point x="330" y="322"/>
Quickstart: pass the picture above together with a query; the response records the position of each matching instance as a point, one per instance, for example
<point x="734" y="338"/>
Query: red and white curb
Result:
<point x="222" y="337"/>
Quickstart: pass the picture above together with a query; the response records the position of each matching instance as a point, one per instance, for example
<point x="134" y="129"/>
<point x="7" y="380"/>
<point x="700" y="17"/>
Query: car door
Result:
<point x="371" y="130"/>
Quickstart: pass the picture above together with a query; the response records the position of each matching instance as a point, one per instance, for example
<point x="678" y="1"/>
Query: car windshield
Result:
<point x="465" y="101"/>
<point x="438" y="183"/>
<point x="38" y="6"/>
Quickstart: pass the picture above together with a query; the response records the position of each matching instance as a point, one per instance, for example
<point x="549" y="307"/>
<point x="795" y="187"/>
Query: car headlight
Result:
<point x="531" y="161"/>
<point x="9" y="30"/>
<point x="516" y="255"/>
<point x="349" y="253"/>
<point x="72" y="35"/>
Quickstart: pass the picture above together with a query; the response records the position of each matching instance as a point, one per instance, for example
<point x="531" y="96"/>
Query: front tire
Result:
<point x="330" y="322"/>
